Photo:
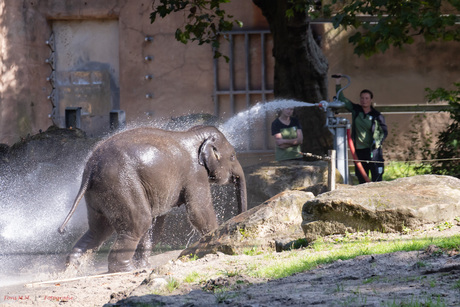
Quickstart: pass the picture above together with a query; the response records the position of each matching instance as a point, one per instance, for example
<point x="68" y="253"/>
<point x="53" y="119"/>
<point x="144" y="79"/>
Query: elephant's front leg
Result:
<point x="200" y="209"/>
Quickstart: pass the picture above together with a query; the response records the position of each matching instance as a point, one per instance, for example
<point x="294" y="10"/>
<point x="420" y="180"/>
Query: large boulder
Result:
<point x="277" y="219"/>
<point x="389" y="206"/>
<point x="266" y="180"/>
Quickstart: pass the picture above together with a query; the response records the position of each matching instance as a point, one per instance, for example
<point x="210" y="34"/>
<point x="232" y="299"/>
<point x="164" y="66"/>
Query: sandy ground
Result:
<point x="421" y="278"/>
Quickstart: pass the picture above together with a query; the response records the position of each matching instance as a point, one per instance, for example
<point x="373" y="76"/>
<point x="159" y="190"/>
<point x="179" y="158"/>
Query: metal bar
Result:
<point x="247" y="70"/>
<point x="264" y="86"/>
<point x="241" y="32"/>
<point x="247" y="85"/>
<point x="262" y="61"/>
<point x="231" y="75"/>
<point x="412" y="108"/>
<point x="364" y="18"/>
<point x="407" y="108"/>
<point x="331" y="171"/>
<point x="231" y="92"/>
<point x="215" y="91"/>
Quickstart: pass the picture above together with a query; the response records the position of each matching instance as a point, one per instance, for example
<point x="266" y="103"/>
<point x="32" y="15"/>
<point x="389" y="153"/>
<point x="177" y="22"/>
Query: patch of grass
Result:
<point x="192" y="277"/>
<point x="246" y="233"/>
<point x="308" y="259"/>
<point x="172" y="284"/>
<point x="253" y="251"/>
<point x="371" y="280"/>
<point x="418" y="302"/>
<point x="420" y="264"/>
<point x="191" y="257"/>
<point x="339" y="288"/>
<point x="223" y="294"/>
<point x="444" y="226"/>
<point x="230" y="273"/>
<point x="396" y="170"/>
<point x="456" y="285"/>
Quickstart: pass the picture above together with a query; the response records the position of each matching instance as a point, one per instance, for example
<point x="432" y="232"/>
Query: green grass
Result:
<point x="231" y="273"/>
<point x="310" y="258"/>
<point x="457" y="285"/>
<point x="192" y="277"/>
<point x="252" y="251"/>
<point x="172" y="284"/>
<point x="418" y="302"/>
<point x="396" y="170"/>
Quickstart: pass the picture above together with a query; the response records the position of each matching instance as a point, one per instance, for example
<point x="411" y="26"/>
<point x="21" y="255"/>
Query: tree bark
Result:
<point x="300" y="70"/>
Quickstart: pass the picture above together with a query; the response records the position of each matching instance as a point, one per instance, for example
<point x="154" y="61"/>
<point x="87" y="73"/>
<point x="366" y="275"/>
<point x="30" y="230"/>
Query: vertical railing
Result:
<point x="231" y="91"/>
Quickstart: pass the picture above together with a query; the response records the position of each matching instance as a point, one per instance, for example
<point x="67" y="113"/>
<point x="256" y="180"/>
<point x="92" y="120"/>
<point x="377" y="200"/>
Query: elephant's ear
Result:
<point x="208" y="155"/>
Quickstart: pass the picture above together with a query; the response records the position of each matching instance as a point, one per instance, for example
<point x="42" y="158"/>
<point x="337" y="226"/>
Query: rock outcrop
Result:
<point x="268" y="179"/>
<point x="259" y="227"/>
<point x="388" y="206"/>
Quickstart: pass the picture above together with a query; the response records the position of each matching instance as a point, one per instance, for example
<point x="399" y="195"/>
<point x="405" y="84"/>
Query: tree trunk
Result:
<point x="300" y="70"/>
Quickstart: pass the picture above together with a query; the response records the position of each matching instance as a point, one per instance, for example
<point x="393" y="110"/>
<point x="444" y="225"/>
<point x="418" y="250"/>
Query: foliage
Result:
<point x="443" y="158"/>
<point x="396" y="170"/>
<point x="204" y="20"/>
<point x="385" y="23"/>
<point x="448" y="144"/>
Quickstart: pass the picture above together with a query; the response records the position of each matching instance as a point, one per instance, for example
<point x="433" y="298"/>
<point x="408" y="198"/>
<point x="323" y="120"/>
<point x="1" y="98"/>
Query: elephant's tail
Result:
<point x="81" y="193"/>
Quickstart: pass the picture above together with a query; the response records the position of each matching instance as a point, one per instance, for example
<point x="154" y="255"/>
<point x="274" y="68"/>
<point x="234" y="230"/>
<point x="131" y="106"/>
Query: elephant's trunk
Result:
<point x="240" y="185"/>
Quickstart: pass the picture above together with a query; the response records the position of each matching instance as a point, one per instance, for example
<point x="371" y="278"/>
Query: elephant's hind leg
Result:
<point x="141" y="256"/>
<point x="131" y="225"/>
<point x="148" y="241"/>
<point x="121" y="254"/>
<point x="99" y="231"/>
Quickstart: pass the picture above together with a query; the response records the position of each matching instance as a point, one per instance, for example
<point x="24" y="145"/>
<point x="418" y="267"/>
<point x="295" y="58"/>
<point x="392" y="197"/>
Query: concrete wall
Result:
<point x="182" y="75"/>
<point x="182" y="80"/>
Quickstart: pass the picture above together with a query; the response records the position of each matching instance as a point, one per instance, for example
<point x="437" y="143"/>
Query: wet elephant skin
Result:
<point x="139" y="175"/>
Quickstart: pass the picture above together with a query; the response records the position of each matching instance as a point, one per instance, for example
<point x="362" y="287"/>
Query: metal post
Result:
<point x="331" y="170"/>
<point x="340" y="145"/>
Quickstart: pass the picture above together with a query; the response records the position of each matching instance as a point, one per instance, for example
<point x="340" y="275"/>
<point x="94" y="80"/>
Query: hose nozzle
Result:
<point x="336" y="104"/>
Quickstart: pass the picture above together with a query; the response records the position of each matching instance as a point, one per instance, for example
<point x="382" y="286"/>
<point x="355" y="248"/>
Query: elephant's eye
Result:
<point x="232" y="157"/>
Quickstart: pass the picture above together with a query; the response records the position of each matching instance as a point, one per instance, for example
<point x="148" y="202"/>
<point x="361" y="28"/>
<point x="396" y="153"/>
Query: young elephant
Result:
<point x="138" y="175"/>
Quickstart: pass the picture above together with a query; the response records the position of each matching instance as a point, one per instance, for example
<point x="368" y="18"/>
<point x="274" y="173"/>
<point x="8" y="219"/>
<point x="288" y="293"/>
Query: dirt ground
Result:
<point x="421" y="278"/>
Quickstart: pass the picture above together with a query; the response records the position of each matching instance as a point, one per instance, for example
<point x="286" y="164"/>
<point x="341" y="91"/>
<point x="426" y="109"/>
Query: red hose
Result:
<point x="355" y="157"/>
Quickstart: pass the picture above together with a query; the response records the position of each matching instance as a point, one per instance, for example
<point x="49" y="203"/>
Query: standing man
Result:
<point x="368" y="133"/>
<point x="288" y="135"/>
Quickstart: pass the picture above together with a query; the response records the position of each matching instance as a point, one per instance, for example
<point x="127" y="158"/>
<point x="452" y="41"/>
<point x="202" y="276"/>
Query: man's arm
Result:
<point x="348" y="103"/>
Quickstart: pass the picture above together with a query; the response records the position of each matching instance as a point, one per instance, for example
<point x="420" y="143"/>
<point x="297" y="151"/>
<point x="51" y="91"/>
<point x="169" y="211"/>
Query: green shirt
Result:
<point x="363" y="135"/>
<point x="287" y="132"/>
<point x="363" y="130"/>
